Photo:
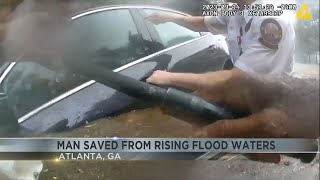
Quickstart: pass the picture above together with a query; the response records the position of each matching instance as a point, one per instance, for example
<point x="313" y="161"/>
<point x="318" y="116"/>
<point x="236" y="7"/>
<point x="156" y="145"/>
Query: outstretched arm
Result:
<point x="191" y="80"/>
<point x="278" y="107"/>
<point x="196" y="82"/>
<point x="214" y="24"/>
<point x="195" y="23"/>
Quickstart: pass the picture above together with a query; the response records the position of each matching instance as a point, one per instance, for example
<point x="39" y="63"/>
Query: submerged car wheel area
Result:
<point x="117" y="38"/>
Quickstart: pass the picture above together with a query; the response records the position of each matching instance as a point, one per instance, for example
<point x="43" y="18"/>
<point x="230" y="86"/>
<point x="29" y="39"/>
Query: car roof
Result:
<point x="126" y="6"/>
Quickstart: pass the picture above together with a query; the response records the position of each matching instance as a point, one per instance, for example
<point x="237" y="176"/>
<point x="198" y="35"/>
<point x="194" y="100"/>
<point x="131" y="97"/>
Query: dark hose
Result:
<point x="148" y="92"/>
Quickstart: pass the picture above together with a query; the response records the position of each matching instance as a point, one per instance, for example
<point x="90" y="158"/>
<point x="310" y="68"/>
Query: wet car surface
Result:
<point x="50" y="100"/>
<point x="153" y="123"/>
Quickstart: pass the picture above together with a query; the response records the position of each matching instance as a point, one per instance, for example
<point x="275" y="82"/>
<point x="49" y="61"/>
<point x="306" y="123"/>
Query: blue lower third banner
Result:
<point x="145" y="148"/>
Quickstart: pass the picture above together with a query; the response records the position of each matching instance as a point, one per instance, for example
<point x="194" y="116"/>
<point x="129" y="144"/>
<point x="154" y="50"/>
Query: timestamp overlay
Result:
<point x="252" y="9"/>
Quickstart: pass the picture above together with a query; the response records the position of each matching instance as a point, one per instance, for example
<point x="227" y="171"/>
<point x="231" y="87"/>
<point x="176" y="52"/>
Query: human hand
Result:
<point x="159" y="77"/>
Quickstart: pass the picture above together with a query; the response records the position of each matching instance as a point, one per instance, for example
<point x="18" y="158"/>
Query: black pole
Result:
<point x="145" y="91"/>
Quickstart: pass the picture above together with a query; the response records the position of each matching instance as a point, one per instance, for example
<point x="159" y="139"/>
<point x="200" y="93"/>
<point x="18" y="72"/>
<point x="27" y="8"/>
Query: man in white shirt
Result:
<point x="257" y="44"/>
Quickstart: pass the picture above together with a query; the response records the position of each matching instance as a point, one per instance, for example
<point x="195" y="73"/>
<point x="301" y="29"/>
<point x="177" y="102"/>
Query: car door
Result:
<point x="118" y="39"/>
<point x="113" y="38"/>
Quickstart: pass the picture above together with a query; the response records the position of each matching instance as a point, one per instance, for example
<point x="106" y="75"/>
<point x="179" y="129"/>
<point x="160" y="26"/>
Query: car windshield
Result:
<point x="30" y="85"/>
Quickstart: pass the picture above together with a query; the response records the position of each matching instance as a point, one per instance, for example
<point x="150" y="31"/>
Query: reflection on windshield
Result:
<point x="171" y="33"/>
<point x="29" y="85"/>
<point x="99" y="39"/>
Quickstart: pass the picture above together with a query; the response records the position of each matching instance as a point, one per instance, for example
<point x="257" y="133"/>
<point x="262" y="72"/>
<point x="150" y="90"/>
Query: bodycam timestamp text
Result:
<point x="251" y="9"/>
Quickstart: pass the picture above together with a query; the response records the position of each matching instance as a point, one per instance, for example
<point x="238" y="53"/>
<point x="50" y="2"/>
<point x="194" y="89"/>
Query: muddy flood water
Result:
<point x="152" y="122"/>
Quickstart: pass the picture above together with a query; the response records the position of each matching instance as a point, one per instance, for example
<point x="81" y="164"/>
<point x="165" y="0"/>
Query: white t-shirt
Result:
<point x="267" y="42"/>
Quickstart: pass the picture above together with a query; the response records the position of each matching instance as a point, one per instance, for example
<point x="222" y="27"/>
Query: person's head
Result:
<point x="6" y="9"/>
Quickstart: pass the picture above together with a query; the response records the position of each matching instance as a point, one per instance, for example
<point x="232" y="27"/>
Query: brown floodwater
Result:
<point x="153" y="122"/>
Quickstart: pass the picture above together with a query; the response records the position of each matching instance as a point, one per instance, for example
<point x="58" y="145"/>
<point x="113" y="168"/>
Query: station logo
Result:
<point x="304" y="12"/>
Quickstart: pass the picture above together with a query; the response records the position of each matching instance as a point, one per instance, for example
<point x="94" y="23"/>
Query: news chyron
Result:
<point x="102" y="149"/>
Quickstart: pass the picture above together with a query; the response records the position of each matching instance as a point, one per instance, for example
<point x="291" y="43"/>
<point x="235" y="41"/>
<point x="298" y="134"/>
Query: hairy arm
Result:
<point x="192" y="81"/>
<point x="195" y="23"/>
<point x="211" y="85"/>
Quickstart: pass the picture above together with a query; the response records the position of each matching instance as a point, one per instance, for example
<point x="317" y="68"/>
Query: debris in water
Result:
<point x="286" y="163"/>
<point x="80" y="171"/>
<point x="230" y="158"/>
<point x="89" y="126"/>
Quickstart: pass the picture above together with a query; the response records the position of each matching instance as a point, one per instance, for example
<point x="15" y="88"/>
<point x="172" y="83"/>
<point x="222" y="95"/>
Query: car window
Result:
<point x="30" y="85"/>
<point x="108" y="38"/>
<point x="171" y="33"/>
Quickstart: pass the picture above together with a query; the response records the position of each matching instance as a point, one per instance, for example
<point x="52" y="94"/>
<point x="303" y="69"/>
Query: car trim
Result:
<point x="55" y="100"/>
<point x="91" y="82"/>
<point x="157" y="53"/>
<point x="6" y="72"/>
<point x="125" y="7"/>
<point x="3" y="67"/>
